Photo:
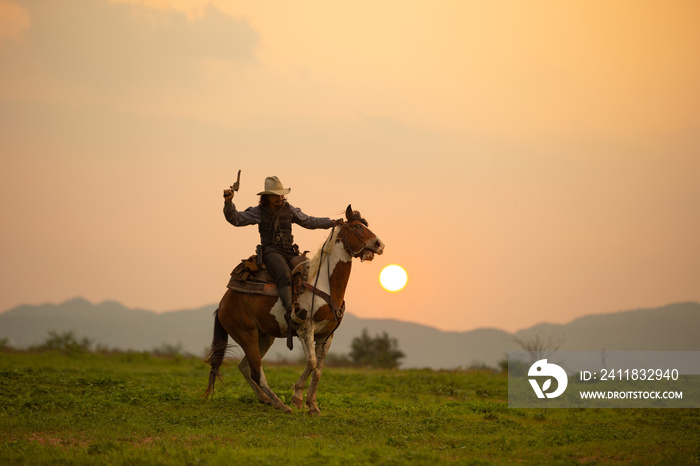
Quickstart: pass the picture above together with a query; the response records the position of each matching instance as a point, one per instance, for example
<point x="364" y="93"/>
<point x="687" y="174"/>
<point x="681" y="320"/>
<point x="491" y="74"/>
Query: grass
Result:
<point x="135" y="408"/>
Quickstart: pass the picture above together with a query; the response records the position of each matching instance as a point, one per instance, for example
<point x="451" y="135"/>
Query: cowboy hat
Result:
<point x="273" y="185"/>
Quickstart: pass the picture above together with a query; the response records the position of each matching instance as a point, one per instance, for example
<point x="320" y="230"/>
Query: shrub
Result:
<point x="379" y="351"/>
<point x="5" y="345"/>
<point x="168" y="350"/>
<point x="65" y="342"/>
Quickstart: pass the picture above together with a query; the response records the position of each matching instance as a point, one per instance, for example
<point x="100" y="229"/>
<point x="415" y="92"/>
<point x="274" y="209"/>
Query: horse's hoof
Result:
<point x="313" y="410"/>
<point x="286" y="409"/>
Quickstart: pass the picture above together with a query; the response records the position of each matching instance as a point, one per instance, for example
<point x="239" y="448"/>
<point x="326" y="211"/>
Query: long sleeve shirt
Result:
<point x="252" y="216"/>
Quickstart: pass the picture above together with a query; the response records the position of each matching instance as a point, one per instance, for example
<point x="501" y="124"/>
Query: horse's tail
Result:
<point x="215" y="355"/>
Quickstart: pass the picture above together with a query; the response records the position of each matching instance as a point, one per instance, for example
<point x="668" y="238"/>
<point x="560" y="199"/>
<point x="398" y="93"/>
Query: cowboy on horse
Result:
<point x="274" y="217"/>
<point x="254" y="319"/>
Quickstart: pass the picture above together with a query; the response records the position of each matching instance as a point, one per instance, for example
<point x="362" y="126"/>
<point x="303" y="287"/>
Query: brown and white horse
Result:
<point x="254" y="321"/>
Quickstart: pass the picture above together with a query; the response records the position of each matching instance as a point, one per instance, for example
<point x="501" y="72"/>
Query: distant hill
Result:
<point x="672" y="327"/>
<point x="110" y="324"/>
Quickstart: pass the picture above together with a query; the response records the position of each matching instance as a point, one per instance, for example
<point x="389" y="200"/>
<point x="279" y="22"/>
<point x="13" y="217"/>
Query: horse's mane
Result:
<point x="356" y="215"/>
<point x="315" y="261"/>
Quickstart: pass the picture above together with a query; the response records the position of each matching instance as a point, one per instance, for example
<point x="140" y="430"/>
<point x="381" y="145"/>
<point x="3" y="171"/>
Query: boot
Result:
<point x="298" y="316"/>
<point x="290" y="316"/>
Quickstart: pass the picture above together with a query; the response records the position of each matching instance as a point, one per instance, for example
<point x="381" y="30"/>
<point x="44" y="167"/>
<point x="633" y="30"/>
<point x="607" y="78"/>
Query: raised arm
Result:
<point x="250" y="216"/>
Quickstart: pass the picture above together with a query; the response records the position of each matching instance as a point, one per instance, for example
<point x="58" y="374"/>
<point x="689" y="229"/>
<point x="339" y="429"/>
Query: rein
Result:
<point x="315" y="290"/>
<point x="337" y="311"/>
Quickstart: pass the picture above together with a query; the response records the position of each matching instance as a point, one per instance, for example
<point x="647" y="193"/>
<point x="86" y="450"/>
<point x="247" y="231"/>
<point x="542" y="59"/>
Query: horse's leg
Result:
<point x="252" y="352"/>
<point x="236" y="316"/>
<point x="306" y="337"/>
<point x="321" y="352"/>
<point x="298" y="396"/>
<point x="244" y="367"/>
<point x="264" y="344"/>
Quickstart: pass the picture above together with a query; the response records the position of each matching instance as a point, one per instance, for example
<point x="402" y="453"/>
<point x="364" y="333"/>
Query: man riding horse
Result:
<point x="254" y="319"/>
<point x="274" y="217"/>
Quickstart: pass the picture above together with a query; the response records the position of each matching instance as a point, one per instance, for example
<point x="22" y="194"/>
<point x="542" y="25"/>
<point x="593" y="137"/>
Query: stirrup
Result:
<point x="299" y="318"/>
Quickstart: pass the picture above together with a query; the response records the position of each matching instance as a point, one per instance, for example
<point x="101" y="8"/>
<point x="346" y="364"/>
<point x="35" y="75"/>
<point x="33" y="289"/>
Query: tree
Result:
<point x="379" y="351"/>
<point x="539" y="347"/>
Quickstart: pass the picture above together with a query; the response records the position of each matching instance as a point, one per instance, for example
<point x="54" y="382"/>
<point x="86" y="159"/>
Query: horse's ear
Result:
<point x="349" y="212"/>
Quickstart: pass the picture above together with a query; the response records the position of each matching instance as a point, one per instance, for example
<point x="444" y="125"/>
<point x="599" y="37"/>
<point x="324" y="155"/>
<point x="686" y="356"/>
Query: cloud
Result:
<point x="114" y="47"/>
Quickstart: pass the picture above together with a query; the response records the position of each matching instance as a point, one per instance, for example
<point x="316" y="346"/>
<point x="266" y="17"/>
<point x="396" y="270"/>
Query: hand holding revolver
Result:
<point x="228" y="193"/>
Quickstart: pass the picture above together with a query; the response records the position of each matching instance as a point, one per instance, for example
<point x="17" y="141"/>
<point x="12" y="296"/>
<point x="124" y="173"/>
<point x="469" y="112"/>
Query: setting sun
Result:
<point x="393" y="277"/>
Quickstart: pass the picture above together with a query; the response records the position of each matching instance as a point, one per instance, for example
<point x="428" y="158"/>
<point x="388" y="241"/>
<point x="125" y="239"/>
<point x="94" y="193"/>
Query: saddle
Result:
<point x="252" y="277"/>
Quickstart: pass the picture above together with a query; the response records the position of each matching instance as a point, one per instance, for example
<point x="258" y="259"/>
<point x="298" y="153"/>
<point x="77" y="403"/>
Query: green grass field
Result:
<point x="139" y="409"/>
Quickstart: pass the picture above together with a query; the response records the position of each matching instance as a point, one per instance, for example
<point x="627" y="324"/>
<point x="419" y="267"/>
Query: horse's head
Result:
<point x="357" y="238"/>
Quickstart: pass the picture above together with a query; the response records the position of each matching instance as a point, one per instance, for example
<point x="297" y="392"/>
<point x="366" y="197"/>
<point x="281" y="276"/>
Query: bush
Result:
<point x="5" y="345"/>
<point x="514" y="368"/>
<point x="379" y="351"/>
<point x="168" y="350"/>
<point x="64" y="342"/>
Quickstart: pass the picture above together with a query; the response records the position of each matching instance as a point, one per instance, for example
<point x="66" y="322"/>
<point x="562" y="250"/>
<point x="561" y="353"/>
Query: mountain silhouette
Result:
<point x="111" y="324"/>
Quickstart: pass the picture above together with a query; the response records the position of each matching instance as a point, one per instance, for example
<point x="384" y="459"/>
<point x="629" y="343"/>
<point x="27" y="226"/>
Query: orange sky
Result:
<point x="524" y="161"/>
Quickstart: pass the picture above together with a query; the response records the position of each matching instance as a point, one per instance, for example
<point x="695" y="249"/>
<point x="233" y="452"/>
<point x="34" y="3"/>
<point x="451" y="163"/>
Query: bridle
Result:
<point x="343" y="232"/>
<point x="337" y="312"/>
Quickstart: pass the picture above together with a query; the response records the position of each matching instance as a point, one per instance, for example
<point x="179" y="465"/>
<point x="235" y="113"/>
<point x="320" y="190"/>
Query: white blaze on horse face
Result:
<point x="371" y="247"/>
<point x="379" y="245"/>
